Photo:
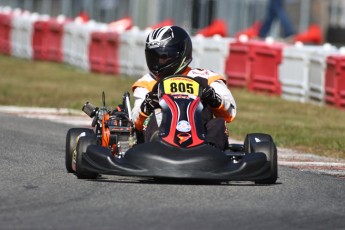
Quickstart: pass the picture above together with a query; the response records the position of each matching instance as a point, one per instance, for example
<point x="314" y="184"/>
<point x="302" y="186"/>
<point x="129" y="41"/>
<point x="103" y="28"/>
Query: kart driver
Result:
<point x="168" y="51"/>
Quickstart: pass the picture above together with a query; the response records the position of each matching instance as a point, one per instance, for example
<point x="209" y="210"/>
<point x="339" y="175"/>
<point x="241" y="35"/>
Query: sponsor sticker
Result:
<point x="183" y="126"/>
<point x="183" y="137"/>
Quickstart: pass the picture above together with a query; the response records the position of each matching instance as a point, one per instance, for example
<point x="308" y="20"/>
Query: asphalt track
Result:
<point x="37" y="193"/>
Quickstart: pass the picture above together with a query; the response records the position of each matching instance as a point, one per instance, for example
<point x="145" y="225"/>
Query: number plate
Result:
<point x="180" y="85"/>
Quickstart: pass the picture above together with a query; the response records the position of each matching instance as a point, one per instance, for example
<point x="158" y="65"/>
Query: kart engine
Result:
<point x="120" y="133"/>
<point x="114" y="129"/>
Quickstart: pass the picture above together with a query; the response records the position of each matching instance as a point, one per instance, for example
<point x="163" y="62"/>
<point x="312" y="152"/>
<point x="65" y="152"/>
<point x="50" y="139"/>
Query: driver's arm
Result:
<point x="138" y="116"/>
<point x="227" y="109"/>
<point x="140" y="88"/>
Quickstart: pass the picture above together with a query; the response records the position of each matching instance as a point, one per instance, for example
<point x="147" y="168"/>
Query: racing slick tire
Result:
<point x="71" y="142"/>
<point x="260" y="142"/>
<point x="82" y="145"/>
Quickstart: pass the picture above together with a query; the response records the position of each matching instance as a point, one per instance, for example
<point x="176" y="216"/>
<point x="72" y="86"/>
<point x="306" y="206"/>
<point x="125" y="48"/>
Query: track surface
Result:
<point x="37" y="193"/>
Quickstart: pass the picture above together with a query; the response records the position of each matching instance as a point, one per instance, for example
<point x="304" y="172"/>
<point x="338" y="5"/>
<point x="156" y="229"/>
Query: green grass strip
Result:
<point x="304" y="127"/>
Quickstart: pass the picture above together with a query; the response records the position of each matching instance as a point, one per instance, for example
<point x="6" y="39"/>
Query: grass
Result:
<point x="47" y="84"/>
<point x="303" y="127"/>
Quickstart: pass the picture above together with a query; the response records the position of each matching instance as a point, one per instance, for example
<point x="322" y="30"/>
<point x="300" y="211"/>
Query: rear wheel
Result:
<point x="82" y="145"/>
<point x="71" y="142"/>
<point x="260" y="142"/>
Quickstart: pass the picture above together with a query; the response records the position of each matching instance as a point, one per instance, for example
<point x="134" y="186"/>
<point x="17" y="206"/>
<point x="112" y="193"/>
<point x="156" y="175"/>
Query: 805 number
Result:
<point x="181" y="87"/>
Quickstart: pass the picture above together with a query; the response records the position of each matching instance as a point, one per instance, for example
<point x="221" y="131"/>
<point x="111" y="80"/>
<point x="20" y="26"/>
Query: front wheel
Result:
<point x="71" y="142"/>
<point x="82" y="145"/>
<point x="260" y="142"/>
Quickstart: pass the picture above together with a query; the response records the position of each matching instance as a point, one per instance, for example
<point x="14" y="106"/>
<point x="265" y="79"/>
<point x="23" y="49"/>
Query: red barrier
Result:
<point x="97" y="50"/>
<point x="266" y="59"/>
<point x="5" y="33"/>
<point x="254" y="64"/>
<point x="39" y="40"/>
<point x="47" y="40"/>
<point x="54" y="40"/>
<point x="335" y="81"/>
<point x="103" y="52"/>
<point x="112" y="63"/>
<point x="237" y="67"/>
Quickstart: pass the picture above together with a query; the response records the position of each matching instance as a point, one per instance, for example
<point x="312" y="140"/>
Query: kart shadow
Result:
<point x="169" y="181"/>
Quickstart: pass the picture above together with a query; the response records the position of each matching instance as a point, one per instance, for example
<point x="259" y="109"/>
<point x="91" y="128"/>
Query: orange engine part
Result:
<point x="105" y="131"/>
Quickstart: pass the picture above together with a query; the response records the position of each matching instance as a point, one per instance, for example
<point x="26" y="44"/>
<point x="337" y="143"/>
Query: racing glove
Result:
<point x="210" y="97"/>
<point x="150" y="103"/>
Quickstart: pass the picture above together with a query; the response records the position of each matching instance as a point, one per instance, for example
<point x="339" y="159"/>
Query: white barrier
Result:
<point x="76" y="41"/>
<point x="299" y="74"/>
<point x="132" y="52"/>
<point x="126" y="53"/>
<point x="139" y="60"/>
<point x="316" y="83"/>
<point x="210" y="53"/>
<point x="22" y="34"/>
<point x="68" y="47"/>
<point x="293" y="74"/>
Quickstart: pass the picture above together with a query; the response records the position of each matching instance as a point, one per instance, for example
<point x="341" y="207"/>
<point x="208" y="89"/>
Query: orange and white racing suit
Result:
<point x="227" y="109"/>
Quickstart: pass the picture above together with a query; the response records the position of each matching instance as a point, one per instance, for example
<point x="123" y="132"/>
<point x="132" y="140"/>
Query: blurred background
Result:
<point x="193" y="15"/>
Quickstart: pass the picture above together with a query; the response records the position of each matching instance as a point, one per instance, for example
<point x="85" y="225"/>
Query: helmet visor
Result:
<point x="160" y="58"/>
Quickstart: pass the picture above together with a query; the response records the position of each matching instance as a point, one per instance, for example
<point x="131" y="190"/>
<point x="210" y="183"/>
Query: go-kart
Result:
<point x="179" y="151"/>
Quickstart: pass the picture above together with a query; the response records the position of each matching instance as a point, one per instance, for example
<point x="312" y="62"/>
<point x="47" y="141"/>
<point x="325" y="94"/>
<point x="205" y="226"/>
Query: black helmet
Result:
<point x="168" y="51"/>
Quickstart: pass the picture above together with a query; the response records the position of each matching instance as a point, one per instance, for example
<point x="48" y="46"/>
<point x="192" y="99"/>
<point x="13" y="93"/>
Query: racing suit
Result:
<point x="216" y="132"/>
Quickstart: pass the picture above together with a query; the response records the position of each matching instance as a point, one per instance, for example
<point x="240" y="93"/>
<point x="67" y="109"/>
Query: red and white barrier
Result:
<point x="335" y="81"/>
<point x="210" y="53"/>
<point x="317" y="70"/>
<point x="255" y="65"/>
<point x="307" y="74"/>
<point x="76" y="41"/>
